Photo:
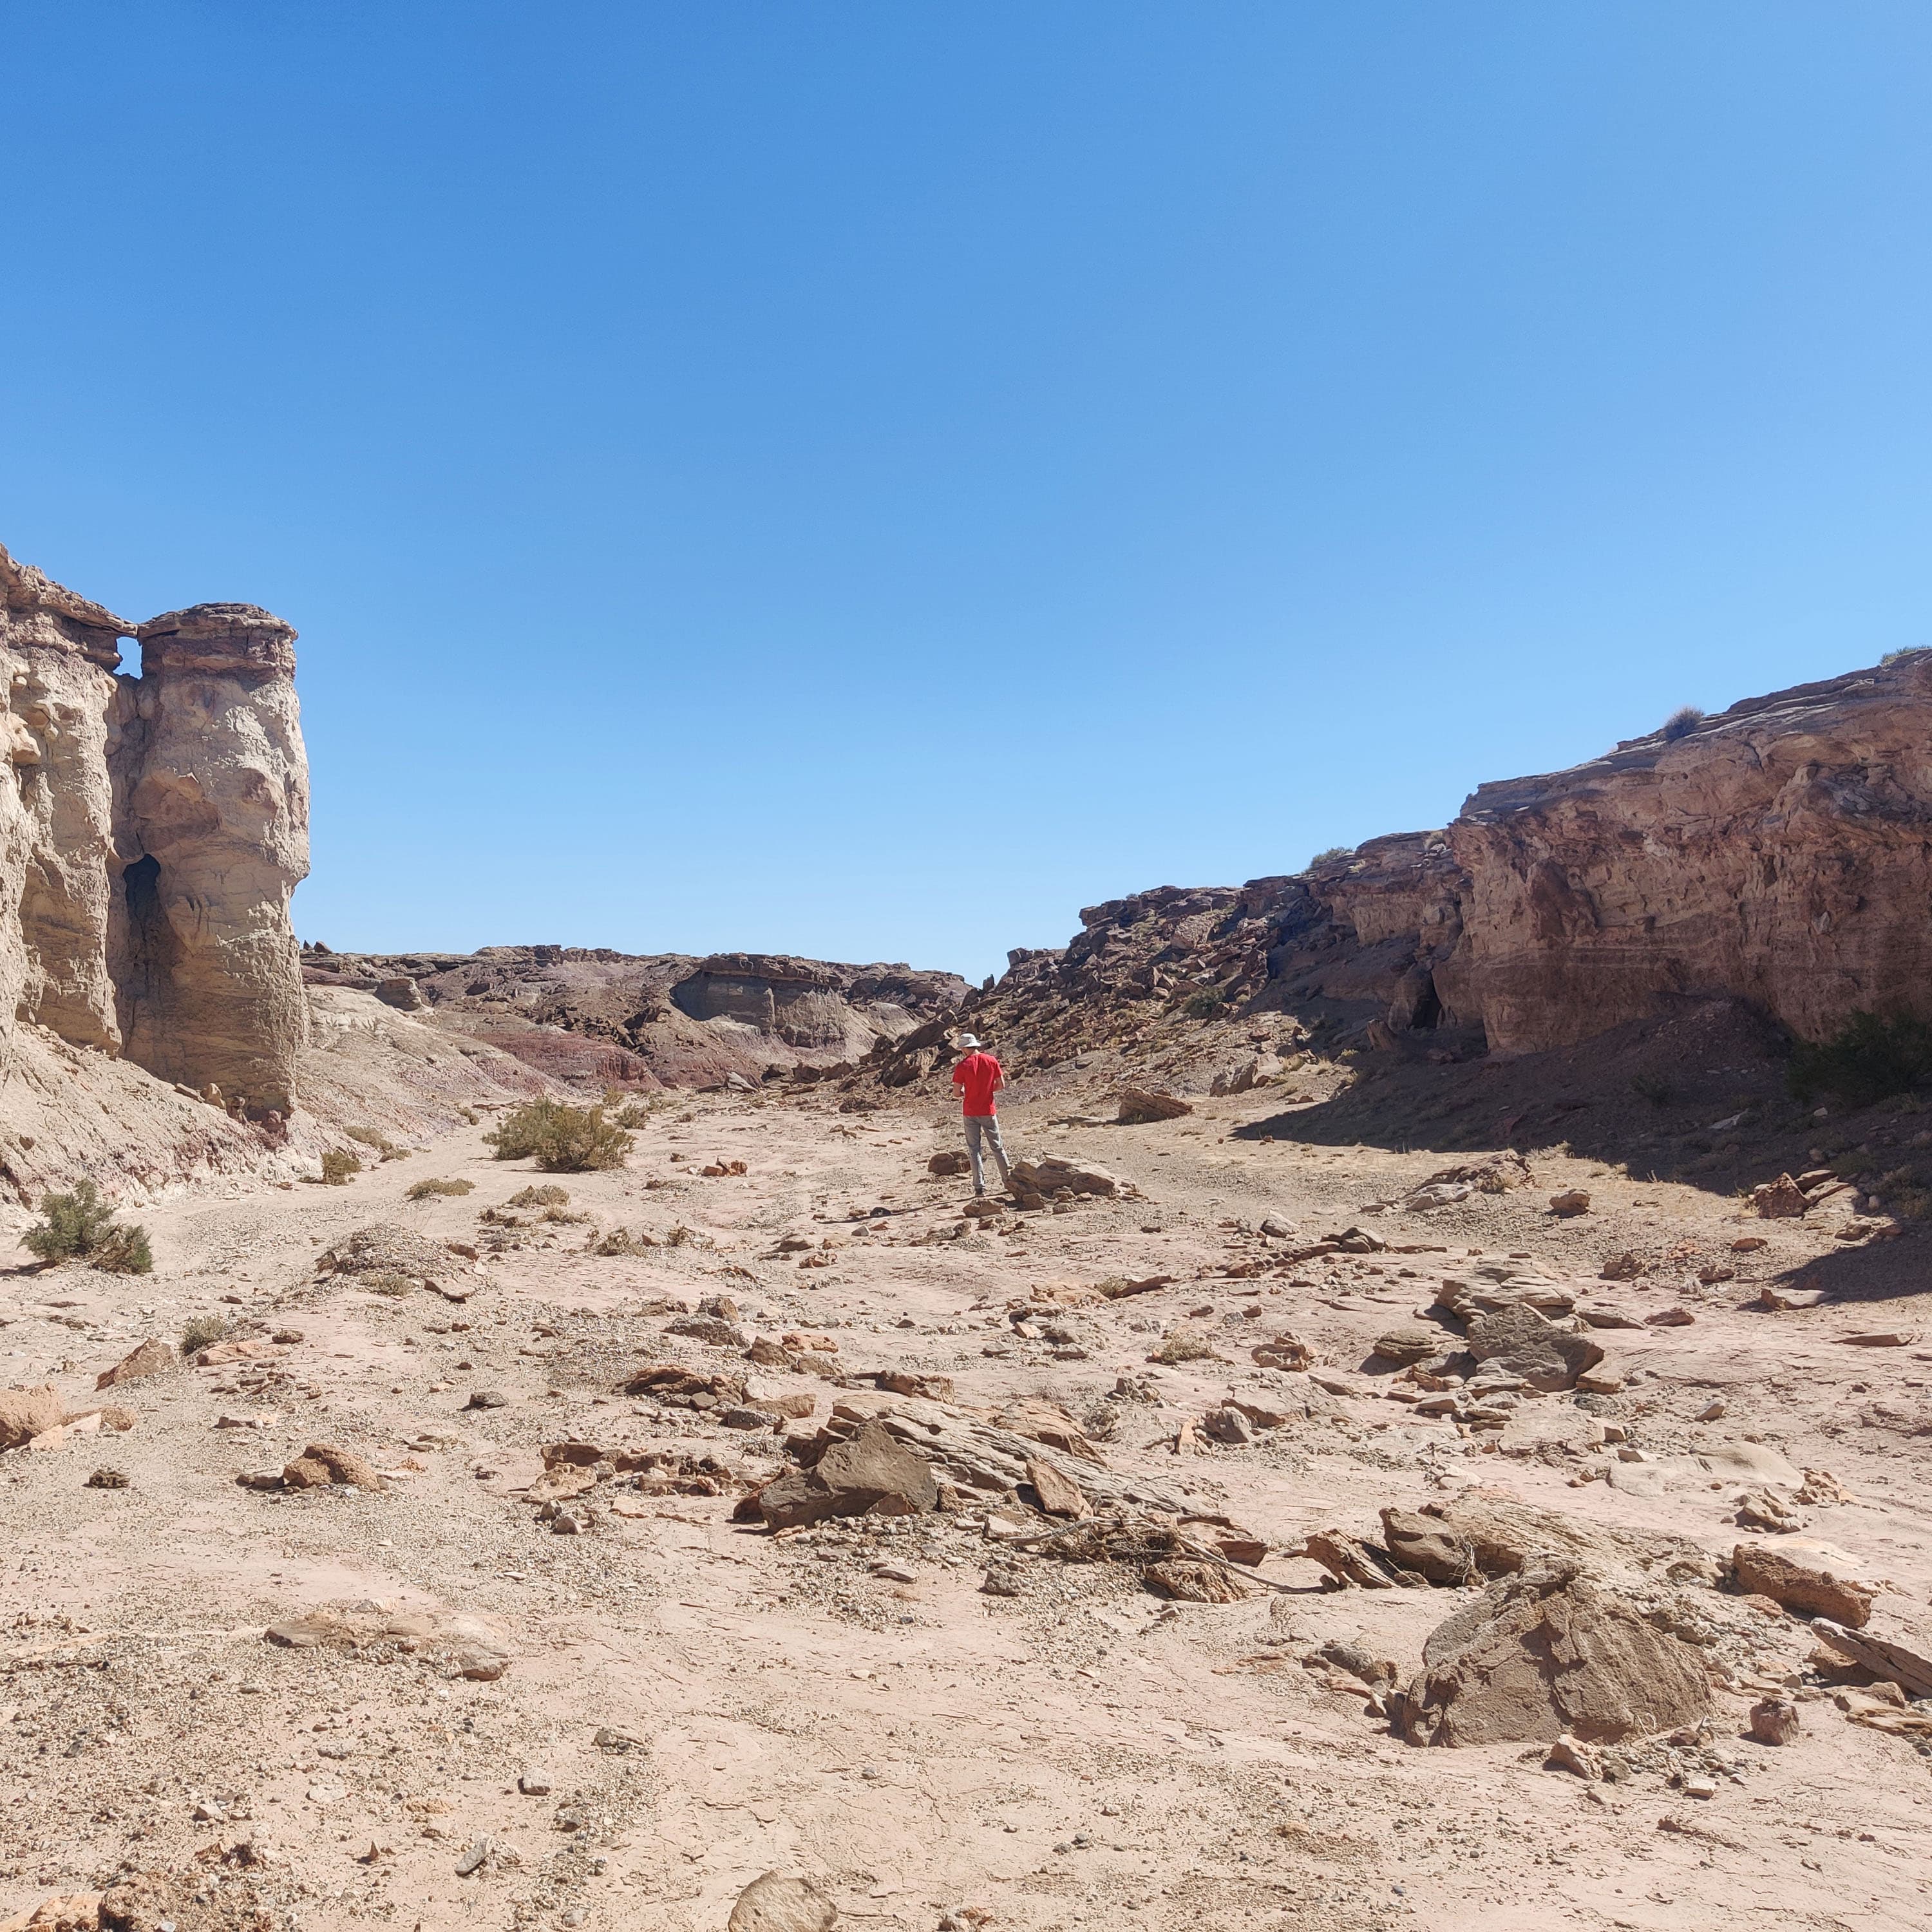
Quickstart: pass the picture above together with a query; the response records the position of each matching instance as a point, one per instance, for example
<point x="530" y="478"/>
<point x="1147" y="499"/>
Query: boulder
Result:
<point x="153" y="1357"/>
<point x="948" y="1160"/>
<point x="1428" y="1548"/>
<point x="1406" y="1346"/>
<point x="26" y="1413"/>
<point x="772" y="1904"/>
<point x="1805" y="1588"/>
<point x="1546" y="1654"/>
<point x="870" y="1472"/>
<point x="321" y="1464"/>
<point x="1139" y="1107"/>
<point x="1283" y="1351"/>
<point x="1781" y="1199"/>
<point x="1520" y="1342"/>
<point x="1773" y="1721"/>
<point x="1045" y="1177"/>
<point x="1059" y="1494"/>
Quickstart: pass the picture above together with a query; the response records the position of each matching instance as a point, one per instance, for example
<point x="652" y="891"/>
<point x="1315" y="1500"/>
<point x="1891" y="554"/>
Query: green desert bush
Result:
<point x="425" y="1190"/>
<point x="81" y="1224"/>
<point x="198" y="1331"/>
<point x="124" y="1251"/>
<point x="337" y="1165"/>
<point x="560" y="1139"/>
<point x="1867" y="1059"/>
<point x="547" y="1195"/>
<point x="1330" y="855"/>
<point x="1681" y="723"/>
<point x="1206" y="1004"/>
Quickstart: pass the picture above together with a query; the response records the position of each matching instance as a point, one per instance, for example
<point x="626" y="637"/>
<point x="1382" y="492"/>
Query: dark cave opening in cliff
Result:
<point x="141" y="881"/>
<point x="1428" y="1014"/>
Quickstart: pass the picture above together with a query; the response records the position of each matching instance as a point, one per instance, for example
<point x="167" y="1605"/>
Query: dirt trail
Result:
<point x="689" y="1701"/>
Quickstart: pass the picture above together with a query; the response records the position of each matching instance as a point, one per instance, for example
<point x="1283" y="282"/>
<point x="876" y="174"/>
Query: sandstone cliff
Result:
<point x="152" y="835"/>
<point x="1780" y="853"/>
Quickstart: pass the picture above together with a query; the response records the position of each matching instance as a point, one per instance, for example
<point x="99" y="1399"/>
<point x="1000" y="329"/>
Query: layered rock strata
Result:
<point x="1781" y="852"/>
<point x="153" y="831"/>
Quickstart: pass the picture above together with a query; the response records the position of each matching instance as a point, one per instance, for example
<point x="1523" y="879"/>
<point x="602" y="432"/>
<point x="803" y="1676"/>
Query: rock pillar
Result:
<point x="213" y="836"/>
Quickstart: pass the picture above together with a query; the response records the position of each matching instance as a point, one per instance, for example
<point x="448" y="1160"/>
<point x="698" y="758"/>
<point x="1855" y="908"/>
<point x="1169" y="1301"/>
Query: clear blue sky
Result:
<point x="867" y="479"/>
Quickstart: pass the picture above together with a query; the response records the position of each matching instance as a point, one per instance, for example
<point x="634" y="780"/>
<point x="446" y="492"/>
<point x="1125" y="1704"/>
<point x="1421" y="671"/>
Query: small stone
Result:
<point x="1573" y="1201"/>
<point x="1669" y="1317"/>
<point x="1774" y="1721"/>
<point x="1699" y="1786"/>
<point x="104" y="1478"/>
<point x="488" y="1398"/>
<point x="893" y="1573"/>
<point x="1711" y="1411"/>
<point x="473" y="1860"/>
<point x="535" y="1784"/>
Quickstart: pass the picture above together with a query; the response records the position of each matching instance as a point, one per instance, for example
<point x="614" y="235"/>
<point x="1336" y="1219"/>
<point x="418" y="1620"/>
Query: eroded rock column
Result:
<point x="213" y="831"/>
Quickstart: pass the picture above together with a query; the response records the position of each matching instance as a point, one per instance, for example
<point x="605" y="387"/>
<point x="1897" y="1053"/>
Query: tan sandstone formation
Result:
<point x="1778" y="851"/>
<point x="154" y="829"/>
<point x="211" y="980"/>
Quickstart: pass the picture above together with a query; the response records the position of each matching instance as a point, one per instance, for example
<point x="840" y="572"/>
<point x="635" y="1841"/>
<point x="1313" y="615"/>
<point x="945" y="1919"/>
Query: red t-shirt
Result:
<point x="977" y="1074"/>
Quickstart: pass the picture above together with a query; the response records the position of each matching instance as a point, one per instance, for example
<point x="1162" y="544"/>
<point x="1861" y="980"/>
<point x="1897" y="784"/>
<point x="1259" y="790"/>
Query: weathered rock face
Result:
<point x="1780" y="853"/>
<point x="152" y="835"/>
<point x="1782" y="850"/>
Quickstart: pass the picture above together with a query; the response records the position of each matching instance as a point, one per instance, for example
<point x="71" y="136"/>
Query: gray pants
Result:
<point x="988" y="1127"/>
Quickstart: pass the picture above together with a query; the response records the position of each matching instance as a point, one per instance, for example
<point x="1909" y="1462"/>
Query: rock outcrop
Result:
<point x="1782" y="851"/>
<point x="1779" y="854"/>
<point x="155" y="828"/>
<point x="667" y="1019"/>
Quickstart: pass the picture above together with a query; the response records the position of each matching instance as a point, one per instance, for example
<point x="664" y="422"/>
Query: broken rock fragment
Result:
<point x="1139" y="1107"/>
<point x="26" y="1413"/>
<point x="153" y="1357"/>
<point x="1428" y="1548"/>
<point x="870" y="1472"/>
<point x="1805" y="1588"/>
<point x="322" y="1464"/>
<point x="1517" y="1341"/>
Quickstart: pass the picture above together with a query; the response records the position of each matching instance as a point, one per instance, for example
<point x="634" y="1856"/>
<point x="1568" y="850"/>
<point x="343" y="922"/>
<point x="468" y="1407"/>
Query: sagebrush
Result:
<point x="81" y="1225"/>
<point x="422" y="1190"/>
<point x="561" y="1139"/>
<point x="337" y="1165"/>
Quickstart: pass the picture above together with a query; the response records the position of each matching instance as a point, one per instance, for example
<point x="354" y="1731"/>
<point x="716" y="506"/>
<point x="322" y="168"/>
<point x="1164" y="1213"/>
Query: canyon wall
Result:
<point x="152" y="835"/>
<point x="1780" y="853"/>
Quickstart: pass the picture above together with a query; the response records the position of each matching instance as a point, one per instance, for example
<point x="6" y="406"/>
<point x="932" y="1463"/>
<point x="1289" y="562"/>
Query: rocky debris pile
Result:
<point x="1030" y="1454"/>
<point x="386" y="1251"/>
<point x="1548" y="1653"/>
<point x="1052" y="1178"/>
<point x="456" y="1645"/>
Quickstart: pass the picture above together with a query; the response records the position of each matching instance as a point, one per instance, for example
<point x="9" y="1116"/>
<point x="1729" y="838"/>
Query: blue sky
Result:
<point x="867" y="479"/>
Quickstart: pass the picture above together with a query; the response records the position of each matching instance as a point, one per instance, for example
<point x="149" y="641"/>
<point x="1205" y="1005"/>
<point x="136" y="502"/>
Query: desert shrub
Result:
<point x="1181" y="1346"/>
<point x="561" y="1139"/>
<point x="394" y="1286"/>
<point x="374" y="1137"/>
<point x="123" y="1251"/>
<point x="198" y="1331"/>
<point x="1681" y="723"/>
<point x="633" y="1114"/>
<point x="1205" y="1004"/>
<point x="74" y="1224"/>
<point x="337" y="1165"/>
<point x="548" y="1195"/>
<point x="1867" y="1059"/>
<point x="82" y="1224"/>
<point x="470" y="1114"/>
<point x="1655" y="1088"/>
<point x="1893" y="657"/>
<point x="621" y="1241"/>
<point x="1330" y="855"/>
<point x="423" y="1190"/>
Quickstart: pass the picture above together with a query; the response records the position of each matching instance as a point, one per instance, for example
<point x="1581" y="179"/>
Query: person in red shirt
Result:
<point x="979" y="1078"/>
